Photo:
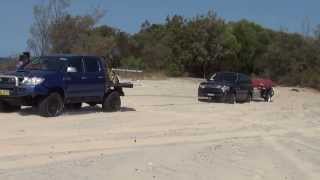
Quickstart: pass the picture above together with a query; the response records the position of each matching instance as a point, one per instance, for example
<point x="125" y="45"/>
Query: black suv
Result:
<point x="226" y="87"/>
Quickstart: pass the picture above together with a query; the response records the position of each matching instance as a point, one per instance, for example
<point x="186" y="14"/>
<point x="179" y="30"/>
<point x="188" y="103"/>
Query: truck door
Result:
<point x="73" y="80"/>
<point x="94" y="78"/>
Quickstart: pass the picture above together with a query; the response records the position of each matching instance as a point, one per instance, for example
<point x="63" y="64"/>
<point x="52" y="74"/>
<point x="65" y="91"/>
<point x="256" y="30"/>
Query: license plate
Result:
<point x="211" y="94"/>
<point x="256" y="90"/>
<point x="4" y="92"/>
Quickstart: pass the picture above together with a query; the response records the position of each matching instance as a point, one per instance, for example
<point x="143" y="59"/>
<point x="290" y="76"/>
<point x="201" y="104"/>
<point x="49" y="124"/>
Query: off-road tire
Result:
<point x="267" y="98"/>
<point x="232" y="99"/>
<point x="249" y="98"/>
<point x="51" y="106"/>
<point x="112" y="102"/>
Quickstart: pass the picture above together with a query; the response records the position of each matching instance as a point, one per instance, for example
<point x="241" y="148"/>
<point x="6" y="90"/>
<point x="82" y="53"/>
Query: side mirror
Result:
<point x="71" y="69"/>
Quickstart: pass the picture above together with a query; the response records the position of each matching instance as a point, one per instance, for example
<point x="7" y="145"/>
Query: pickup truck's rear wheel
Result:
<point x="112" y="102"/>
<point x="51" y="106"/>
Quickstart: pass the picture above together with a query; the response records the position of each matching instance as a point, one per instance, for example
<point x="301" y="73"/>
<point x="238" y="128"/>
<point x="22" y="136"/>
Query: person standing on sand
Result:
<point x="23" y="59"/>
<point x="20" y="62"/>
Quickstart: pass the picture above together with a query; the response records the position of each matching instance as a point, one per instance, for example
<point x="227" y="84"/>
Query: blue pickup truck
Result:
<point x="51" y="83"/>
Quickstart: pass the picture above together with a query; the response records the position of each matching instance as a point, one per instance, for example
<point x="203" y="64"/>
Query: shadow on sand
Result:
<point x="28" y="111"/>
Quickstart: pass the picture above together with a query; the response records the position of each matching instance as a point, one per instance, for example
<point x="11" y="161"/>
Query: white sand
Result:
<point x="164" y="133"/>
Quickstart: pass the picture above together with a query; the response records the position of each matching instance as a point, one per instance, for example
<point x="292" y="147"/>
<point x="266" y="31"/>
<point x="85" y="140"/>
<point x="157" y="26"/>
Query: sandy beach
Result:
<point x="163" y="132"/>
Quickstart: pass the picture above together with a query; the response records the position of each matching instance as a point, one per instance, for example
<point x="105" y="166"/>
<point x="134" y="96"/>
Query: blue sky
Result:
<point x="16" y="15"/>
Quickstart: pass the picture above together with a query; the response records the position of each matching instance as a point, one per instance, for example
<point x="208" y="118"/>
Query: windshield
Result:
<point x="223" y="77"/>
<point x="46" y="63"/>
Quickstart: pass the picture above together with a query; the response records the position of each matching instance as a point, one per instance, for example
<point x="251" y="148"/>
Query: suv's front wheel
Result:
<point x="232" y="98"/>
<point x="112" y="102"/>
<point x="51" y="106"/>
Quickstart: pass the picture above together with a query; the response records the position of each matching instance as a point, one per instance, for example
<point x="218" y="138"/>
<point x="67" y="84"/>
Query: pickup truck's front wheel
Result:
<point x="112" y="102"/>
<point x="51" y="106"/>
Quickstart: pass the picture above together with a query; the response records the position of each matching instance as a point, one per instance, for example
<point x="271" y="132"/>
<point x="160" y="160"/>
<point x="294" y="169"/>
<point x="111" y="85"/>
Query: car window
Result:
<point x="243" y="78"/>
<point x="46" y="63"/>
<point x="92" y="64"/>
<point x="76" y="62"/>
<point x="224" y="77"/>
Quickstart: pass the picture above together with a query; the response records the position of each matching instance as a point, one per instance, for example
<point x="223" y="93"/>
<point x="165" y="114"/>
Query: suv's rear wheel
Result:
<point x="268" y="95"/>
<point x="112" y="102"/>
<point x="267" y="98"/>
<point x="249" y="97"/>
<point x="51" y="106"/>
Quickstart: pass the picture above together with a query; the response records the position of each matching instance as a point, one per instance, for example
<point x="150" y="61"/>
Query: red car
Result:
<point x="264" y="87"/>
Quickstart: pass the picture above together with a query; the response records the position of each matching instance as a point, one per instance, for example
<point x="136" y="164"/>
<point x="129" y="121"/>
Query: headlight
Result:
<point x="202" y="86"/>
<point x="32" y="81"/>
<point x="225" y="88"/>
